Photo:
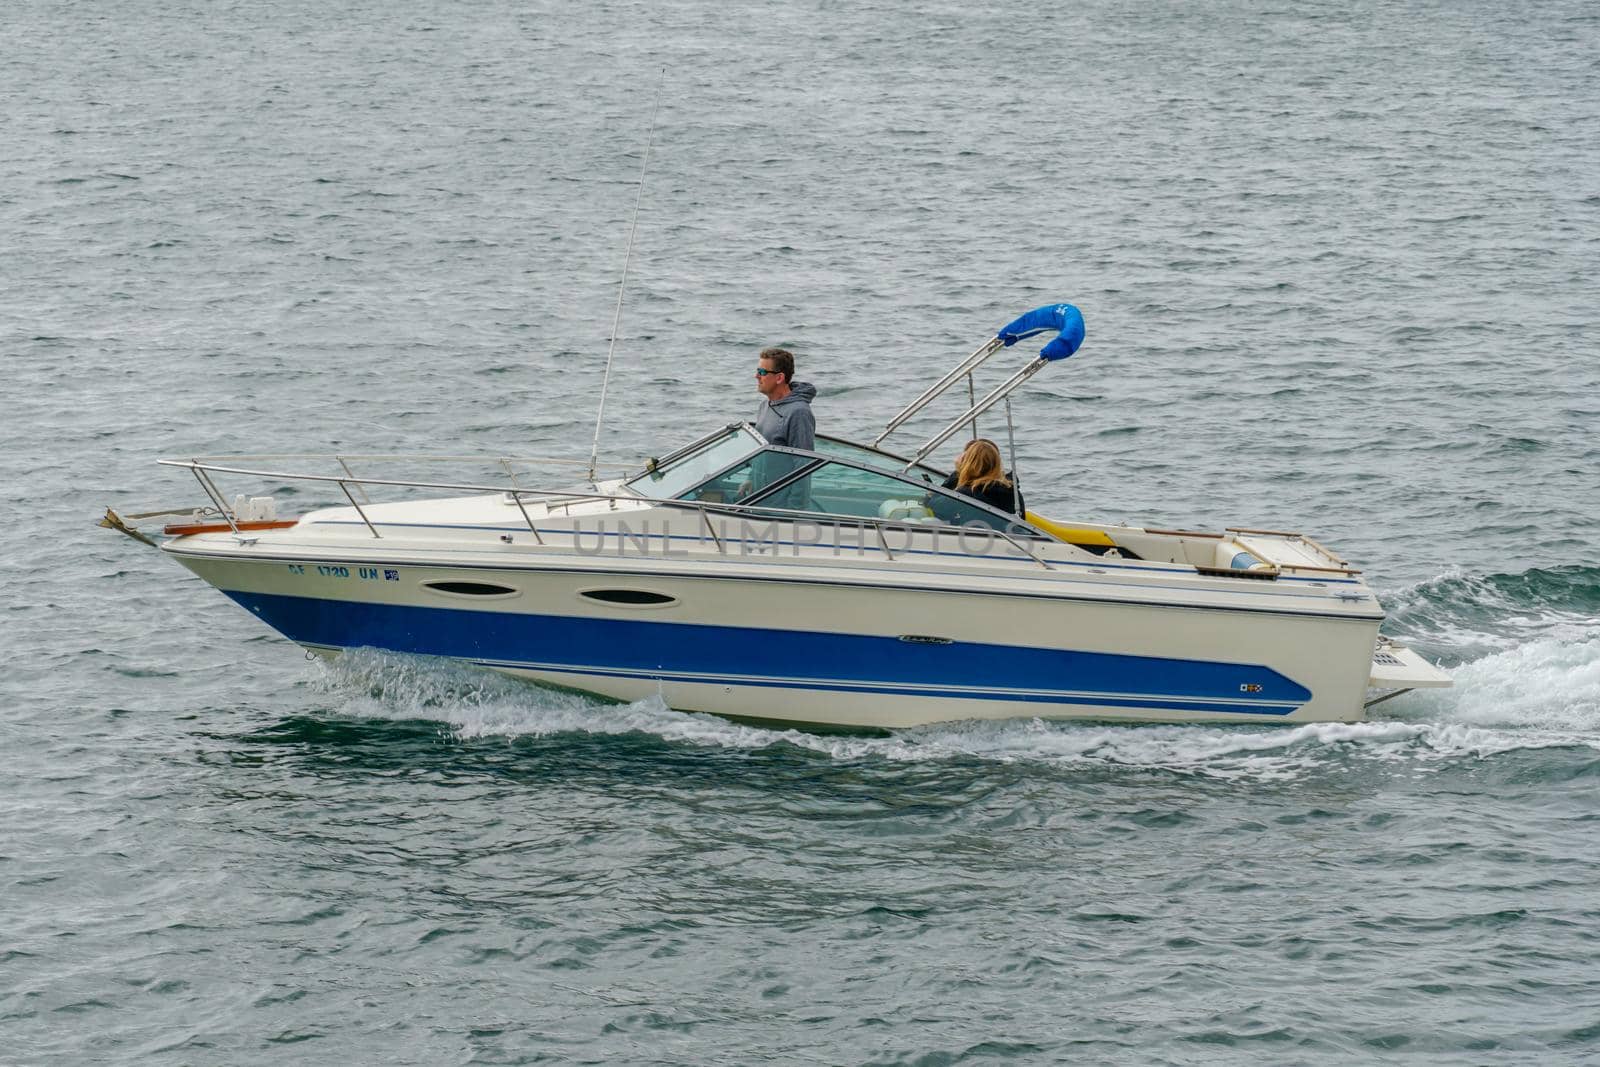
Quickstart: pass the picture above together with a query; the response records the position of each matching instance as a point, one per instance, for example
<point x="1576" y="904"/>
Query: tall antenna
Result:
<point x="594" y="453"/>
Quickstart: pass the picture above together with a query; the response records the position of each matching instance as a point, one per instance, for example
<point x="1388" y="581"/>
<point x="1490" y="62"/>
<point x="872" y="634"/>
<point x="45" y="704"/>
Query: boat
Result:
<point x="840" y="586"/>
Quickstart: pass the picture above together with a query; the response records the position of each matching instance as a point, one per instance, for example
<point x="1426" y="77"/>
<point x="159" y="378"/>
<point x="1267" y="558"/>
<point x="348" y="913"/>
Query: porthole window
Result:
<point x="473" y="589"/>
<point x="628" y="597"/>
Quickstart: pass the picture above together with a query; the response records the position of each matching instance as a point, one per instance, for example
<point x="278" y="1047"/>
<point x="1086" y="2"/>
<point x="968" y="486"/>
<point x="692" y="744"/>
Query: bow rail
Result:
<point x="204" y="468"/>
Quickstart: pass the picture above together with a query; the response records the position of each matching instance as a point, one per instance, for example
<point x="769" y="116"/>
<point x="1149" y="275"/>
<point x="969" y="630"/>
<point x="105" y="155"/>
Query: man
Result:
<point x="784" y="417"/>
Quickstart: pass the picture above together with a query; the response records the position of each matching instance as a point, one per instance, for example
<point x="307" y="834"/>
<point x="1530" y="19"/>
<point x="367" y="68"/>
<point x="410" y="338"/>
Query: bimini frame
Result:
<point x="1065" y="319"/>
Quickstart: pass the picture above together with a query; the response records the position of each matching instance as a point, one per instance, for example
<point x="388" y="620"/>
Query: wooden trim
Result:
<point x="184" y="529"/>
<point x="1305" y="567"/>
<point x="1269" y="533"/>
<point x="1184" y="533"/>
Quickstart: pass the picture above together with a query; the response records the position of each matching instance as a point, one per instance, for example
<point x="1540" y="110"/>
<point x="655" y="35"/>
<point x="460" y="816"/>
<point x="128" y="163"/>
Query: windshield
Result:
<point x="684" y="472"/>
<point x="841" y="489"/>
<point x="750" y="478"/>
<point x="833" y="446"/>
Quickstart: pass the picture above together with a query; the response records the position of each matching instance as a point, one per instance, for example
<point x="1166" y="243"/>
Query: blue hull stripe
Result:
<point x="773" y="658"/>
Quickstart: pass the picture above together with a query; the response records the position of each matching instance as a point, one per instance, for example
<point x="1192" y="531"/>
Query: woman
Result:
<point x="979" y="475"/>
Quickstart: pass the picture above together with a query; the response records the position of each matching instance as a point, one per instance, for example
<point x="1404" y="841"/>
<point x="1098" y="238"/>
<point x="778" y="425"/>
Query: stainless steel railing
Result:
<point x="203" y="468"/>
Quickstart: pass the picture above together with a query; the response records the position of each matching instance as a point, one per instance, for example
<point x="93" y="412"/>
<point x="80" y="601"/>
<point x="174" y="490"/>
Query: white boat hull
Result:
<point x="797" y="642"/>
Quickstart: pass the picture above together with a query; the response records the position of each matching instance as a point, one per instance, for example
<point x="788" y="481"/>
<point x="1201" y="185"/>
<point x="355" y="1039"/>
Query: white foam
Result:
<point x="1548" y="684"/>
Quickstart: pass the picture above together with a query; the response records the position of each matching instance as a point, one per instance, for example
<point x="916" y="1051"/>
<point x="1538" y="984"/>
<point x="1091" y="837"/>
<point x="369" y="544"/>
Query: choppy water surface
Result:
<point x="1338" y="270"/>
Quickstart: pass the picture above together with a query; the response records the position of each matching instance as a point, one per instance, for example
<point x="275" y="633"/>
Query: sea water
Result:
<point x="1337" y="265"/>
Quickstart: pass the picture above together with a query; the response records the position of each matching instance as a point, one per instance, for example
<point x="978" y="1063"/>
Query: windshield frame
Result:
<point x="1015" y="524"/>
<point x="914" y="475"/>
<point x="658" y="469"/>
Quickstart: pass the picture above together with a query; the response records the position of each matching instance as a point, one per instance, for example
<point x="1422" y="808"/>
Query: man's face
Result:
<point x="767" y="379"/>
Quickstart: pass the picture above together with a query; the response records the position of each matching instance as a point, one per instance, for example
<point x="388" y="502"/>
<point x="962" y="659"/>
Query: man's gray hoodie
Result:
<point x="789" y="421"/>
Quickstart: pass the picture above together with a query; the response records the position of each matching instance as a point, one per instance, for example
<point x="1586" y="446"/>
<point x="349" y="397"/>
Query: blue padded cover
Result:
<point x="1064" y="318"/>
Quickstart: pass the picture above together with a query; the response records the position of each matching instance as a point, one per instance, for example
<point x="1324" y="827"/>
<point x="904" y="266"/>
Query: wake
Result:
<point x="1541" y="695"/>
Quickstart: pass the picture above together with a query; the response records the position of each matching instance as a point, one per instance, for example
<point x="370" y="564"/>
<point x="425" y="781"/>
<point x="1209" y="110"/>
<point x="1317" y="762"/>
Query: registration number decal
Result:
<point x="333" y="570"/>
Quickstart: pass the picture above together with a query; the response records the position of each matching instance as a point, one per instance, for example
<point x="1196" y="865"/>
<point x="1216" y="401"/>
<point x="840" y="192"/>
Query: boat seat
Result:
<point x="905" y="511"/>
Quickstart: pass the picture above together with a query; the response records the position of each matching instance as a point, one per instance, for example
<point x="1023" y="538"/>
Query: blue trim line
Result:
<point x="1016" y="695"/>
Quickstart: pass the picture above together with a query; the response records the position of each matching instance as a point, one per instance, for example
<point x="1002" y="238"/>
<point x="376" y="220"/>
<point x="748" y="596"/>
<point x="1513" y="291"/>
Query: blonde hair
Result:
<point x="979" y="466"/>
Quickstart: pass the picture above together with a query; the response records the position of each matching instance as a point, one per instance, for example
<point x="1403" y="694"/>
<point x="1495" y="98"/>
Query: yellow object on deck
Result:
<point x="1072" y="535"/>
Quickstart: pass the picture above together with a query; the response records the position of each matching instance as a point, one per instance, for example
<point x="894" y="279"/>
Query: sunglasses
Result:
<point x="762" y="372"/>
